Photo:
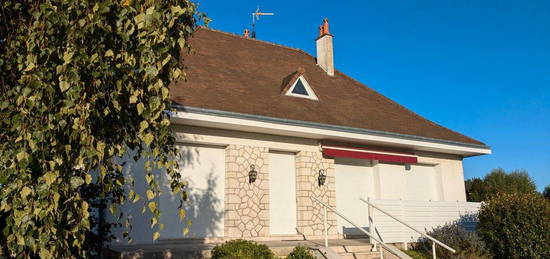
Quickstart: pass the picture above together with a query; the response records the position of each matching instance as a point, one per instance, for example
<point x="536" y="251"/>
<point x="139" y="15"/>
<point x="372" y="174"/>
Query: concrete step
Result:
<point x="360" y="255"/>
<point x="351" y="248"/>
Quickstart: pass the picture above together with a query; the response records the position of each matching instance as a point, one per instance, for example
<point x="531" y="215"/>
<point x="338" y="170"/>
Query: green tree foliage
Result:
<point x="476" y="189"/>
<point x="498" y="181"/>
<point x="81" y="83"/>
<point x="546" y="192"/>
<point x="516" y="225"/>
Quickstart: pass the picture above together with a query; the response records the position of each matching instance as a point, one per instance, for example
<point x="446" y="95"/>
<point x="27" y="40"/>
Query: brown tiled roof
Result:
<point x="228" y="72"/>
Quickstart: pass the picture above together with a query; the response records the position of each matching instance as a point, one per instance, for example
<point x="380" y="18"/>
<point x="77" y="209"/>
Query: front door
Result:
<point x="282" y="183"/>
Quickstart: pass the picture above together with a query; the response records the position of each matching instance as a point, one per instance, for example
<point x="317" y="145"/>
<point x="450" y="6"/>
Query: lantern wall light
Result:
<point x="322" y="177"/>
<point x="252" y="174"/>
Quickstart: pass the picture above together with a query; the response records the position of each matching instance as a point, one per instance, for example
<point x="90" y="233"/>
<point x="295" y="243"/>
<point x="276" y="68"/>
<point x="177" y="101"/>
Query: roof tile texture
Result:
<point x="231" y="73"/>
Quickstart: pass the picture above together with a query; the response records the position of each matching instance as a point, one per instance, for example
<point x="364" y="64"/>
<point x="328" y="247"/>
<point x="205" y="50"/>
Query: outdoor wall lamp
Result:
<point x="322" y="177"/>
<point x="252" y="174"/>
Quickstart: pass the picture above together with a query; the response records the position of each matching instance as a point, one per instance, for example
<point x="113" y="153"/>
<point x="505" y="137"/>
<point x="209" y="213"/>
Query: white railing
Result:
<point x="434" y="241"/>
<point x="325" y="207"/>
<point x="423" y="215"/>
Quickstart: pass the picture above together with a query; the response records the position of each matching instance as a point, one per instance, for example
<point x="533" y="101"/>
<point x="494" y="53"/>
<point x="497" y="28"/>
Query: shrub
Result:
<point x="241" y="249"/>
<point x="300" y="252"/>
<point x="466" y="243"/>
<point x="418" y="254"/>
<point x="516" y="226"/>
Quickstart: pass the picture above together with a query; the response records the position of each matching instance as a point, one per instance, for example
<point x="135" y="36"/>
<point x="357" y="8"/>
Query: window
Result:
<point x="301" y="88"/>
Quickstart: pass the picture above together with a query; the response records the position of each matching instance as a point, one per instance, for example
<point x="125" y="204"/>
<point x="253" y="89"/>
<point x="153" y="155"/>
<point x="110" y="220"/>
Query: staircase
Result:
<point x="338" y="249"/>
<point x="355" y="252"/>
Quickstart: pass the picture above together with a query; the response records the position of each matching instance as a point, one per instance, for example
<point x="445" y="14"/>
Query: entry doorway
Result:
<point x="282" y="198"/>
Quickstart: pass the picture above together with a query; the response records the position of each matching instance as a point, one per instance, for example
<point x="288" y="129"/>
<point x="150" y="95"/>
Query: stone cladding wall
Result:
<point x="246" y="204"/>
<point x="311" y="214"/>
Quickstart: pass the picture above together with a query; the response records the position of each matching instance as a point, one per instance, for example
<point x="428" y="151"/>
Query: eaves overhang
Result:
<point x="202" y="117"/>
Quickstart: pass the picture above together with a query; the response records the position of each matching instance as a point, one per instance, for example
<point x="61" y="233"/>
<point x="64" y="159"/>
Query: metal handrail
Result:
<point x="389" y="248"/>
<point x="409" y="226"/>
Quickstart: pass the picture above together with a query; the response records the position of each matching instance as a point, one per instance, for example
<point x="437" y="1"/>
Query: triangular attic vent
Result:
<point x="301" y="88"/>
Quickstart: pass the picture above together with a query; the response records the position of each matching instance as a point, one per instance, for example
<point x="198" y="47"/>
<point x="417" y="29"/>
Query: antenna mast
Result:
<point x="255" y="17"/>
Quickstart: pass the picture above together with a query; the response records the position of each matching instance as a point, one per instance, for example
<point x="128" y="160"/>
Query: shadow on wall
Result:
<point x="201" y="210"/>
<point x="203" y="207"/>
<point x="203" y="213"/>
<point x="140" y="231"/>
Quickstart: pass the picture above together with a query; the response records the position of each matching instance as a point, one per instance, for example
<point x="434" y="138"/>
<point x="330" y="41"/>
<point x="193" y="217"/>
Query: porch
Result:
<point x="344" y="248"/>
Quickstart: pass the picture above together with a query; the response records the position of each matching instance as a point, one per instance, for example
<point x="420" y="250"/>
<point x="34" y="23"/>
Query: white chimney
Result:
<point x="325" y="53"/>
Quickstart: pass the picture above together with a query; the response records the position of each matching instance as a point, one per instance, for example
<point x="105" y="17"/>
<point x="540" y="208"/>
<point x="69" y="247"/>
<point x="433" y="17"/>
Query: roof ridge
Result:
<point x="254" y="39"/>
<point x="405" y="108"/>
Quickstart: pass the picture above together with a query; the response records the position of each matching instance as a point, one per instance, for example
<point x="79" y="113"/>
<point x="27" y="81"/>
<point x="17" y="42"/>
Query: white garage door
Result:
<point x="421" y="183"/>
<point x="354" y="180"/>
<point x="204" y="168"/>
<point x="282" y="183"/>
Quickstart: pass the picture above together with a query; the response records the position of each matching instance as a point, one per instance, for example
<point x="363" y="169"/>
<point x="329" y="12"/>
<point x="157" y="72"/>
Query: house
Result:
<point x="263" y="128"/>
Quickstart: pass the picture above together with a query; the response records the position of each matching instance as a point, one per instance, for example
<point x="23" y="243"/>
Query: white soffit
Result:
<point x="275" y="126"/>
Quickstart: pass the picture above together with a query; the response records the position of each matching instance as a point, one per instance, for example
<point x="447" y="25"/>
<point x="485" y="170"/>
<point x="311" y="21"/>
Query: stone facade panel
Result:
<point x="246" y="202"/>
<point x="311" y="214"/>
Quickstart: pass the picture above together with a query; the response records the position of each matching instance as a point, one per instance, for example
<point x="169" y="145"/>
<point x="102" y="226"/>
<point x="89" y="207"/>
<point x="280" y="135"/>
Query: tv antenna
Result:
<point x="255" y="17"/>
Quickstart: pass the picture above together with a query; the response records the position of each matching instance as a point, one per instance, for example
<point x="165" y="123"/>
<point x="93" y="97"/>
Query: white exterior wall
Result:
<point x="382" y="181"/>
<point x="389" y="178"/>
<point x="450" y="179"/>
<point x="141" y="233"/>
<point x="203" y="168"/>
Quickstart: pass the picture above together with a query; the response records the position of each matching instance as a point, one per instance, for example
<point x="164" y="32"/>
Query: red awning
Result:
<point x="362" y="153"/>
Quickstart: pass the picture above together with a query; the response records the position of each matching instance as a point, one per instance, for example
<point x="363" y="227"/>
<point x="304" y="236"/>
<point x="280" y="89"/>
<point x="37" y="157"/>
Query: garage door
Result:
<point x="203" y="167"/>
<point x="421" y="183"/>
<point x="354" y="180"/>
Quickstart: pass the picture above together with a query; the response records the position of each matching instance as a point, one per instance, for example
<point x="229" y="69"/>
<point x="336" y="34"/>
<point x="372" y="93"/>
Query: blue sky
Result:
<point x="478" y="67"/>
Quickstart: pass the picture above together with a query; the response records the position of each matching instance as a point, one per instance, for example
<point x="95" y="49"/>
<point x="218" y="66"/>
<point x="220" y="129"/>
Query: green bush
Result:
<point x="241" y="249"/>
<point x="418" y="254"/>
<point x="516" y="225"/>
<point x="300" y="252"/>
<point x="468" y="244"/>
